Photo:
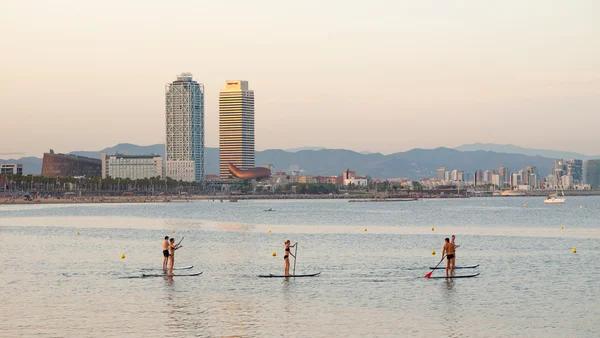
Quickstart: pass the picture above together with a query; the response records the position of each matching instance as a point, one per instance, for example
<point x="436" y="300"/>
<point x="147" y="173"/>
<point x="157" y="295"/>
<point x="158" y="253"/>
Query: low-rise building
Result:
<point x="134" y="167"/>
<point x="11" y="169"/>
<point x="65" y="165"/>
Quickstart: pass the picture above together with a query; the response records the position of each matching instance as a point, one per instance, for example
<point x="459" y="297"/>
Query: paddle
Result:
<point x="177" y="245"/>
<point x="428" y="275"/>
<point x="295" y="257"/>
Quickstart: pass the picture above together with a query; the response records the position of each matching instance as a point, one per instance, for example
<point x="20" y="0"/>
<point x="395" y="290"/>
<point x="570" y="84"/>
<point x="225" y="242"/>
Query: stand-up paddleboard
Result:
<point x="175" y="268"/>
<point x="276" y="276"/>
<point x="459" y="276"/>
<point x="179" y="275"/>
<point x="458" y="267"/>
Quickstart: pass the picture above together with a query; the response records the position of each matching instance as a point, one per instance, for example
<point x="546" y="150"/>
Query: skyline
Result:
<point x="380" y="77"/>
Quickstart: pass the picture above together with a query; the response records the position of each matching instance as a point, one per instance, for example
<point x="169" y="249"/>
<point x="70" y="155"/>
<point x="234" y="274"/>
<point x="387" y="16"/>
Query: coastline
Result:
<point x="179" y="199"/>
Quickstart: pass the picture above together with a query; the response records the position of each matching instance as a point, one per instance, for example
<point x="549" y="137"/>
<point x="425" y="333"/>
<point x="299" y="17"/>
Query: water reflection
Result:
<point x="450" y="308"/>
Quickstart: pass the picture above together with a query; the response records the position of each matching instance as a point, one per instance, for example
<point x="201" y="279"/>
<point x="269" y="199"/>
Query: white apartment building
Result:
<point x="11" y="169"/>
<point x="134" y="167"/>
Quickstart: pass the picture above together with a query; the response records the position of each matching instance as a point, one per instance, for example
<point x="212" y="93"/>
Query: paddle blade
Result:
<point x="428" y="275"/>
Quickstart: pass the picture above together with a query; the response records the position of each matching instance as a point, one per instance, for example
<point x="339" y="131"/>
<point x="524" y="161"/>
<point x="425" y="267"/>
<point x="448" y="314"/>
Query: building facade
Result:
<point x="184" y="112"/>
<point x="66" y="165"/>
<point x="11" y="169"/>
<point x="134" y="167"/>
<point x="575" y="170"/>
<point x="592" y="173"/>
<point x="441" y="173"/>
<point x="530" y="176"/>
<point x="236" y="127"/>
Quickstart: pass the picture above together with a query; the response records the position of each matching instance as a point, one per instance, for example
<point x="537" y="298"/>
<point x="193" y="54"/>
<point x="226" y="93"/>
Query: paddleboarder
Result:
<point x="448" y="250"/>
<point x="455" y="247"/>
<point x="172" y="248"/>
<point x="286" y="256"/>
<point x="165" y="249"/>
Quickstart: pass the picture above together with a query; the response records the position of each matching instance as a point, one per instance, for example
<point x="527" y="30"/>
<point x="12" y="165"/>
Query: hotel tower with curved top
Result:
<point x="236" y="127"/>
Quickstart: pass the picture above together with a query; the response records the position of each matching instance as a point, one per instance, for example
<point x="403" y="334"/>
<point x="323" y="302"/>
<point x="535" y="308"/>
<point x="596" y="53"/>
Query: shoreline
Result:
<point x="357" y="198"/>
<point x="229" y="198"/>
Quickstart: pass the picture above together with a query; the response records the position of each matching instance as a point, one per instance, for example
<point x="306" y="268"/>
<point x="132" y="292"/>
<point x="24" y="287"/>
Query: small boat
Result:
<point x="270" y="209"/>
<point x="554" y="198"/>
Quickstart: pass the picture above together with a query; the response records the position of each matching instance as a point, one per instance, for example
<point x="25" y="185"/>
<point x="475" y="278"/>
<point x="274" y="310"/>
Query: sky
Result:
<point x="382" y="76"/>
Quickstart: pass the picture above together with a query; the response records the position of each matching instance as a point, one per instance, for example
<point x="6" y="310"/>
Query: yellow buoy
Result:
<point x="365" y="229"/>
<point x="574" y="250"/>
<point x="433" y="252"/>
<point x="273" y="254"/>
<point x="173" y="231"/>
<point x="581" y="207"/>
<point x="122" y="256"/>
<point x="78" y="232"/>
<point x="562" y="227"/>
<point x="269" y="230"/>
<point x="525" y="204"/>
<point x="432" y="228"/>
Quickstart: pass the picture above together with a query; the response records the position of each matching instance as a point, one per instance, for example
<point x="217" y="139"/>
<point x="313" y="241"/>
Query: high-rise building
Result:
<point x="530" y="176"/>
<point x="487" y="176"/>
<point x="505" y="173"/>
<point x="498" y="180"/>
<point x="575" y="170"/>
<point x="441" y="173"/>
<point x="184" y="149"/>
<point x="592" y="173"/>
<point x="479" y="176"/>
<point x="560" y="168"/>
<point x="236" y="127"/>
<point x="515" y="180"/>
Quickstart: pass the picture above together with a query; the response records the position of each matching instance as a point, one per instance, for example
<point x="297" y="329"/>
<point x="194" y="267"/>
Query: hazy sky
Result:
<point x="364" y="75"/>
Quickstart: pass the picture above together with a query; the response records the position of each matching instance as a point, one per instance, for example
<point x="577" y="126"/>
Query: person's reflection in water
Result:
<point x="288" y="296"/>
<point x="450" y="307"/>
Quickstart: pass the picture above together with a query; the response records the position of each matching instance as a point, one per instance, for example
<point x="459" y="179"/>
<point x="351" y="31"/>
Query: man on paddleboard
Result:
<point x="165" y="248"/>
<point x="449" y="251"/>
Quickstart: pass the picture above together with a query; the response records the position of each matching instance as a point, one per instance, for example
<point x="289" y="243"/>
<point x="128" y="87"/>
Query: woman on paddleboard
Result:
<point x="287" y="255"/>
<point x="455" y="247"/>
<point x="172" y="248"/>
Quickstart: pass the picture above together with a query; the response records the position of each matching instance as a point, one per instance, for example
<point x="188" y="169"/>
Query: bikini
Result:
<point x="287" y="250"/>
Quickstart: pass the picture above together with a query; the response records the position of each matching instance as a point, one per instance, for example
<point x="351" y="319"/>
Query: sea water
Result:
<point x="57" y="283"/>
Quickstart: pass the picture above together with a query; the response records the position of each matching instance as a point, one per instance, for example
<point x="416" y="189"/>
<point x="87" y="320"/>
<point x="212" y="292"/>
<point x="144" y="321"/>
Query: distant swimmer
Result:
<point x="172" y="248"/>
<point x="286" y="257"/>
<point x="455" y="247"/>
<point x="449" y="251"/>
<point x="165" y="248"/>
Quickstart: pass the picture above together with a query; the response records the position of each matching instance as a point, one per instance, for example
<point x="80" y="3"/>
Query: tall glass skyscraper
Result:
<point x="236" y="127"/>
<point x="184" y="148"/>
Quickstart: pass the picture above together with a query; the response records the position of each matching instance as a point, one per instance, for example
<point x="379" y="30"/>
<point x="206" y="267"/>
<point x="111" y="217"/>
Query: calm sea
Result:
<point x="56" y="283"/>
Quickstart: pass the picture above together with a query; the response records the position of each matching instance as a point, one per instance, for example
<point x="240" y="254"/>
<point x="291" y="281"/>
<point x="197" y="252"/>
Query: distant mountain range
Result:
<point x="412" y="164"/>
<point x="512" y="149"/>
